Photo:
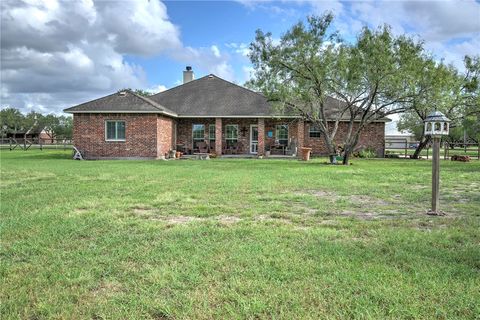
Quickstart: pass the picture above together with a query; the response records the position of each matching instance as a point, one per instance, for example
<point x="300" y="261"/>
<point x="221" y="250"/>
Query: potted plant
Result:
<point x="306" y="153"/>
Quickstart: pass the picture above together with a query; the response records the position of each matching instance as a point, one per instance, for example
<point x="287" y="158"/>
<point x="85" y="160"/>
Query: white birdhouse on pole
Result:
<point x="436" y="126"/>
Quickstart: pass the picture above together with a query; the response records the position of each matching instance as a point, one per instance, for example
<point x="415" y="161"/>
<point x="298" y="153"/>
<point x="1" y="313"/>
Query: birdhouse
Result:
<point x="436" y="124"/>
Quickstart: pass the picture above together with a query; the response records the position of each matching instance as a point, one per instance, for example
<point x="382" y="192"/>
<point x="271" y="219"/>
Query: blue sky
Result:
<point x="69" y="52"/>
<point x="229" y="26"/>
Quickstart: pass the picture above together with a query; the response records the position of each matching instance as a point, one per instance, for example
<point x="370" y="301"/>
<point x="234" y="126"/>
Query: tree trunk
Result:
<point x="330" y="147"/>
<point x="346" y="158"/>
<point x="423" y="143"/>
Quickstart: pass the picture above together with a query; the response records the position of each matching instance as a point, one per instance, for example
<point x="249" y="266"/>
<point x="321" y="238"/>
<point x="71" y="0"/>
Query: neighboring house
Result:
<point x="400" y="141"/>
<point x="204" y="114"/>
<point x="33" y="134"/>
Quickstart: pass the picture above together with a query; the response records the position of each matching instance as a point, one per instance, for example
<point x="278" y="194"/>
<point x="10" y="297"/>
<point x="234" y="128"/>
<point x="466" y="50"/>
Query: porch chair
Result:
<point x="237" y="147"/>
<point x="291" y="149"/>
<point x="202" y="147"/>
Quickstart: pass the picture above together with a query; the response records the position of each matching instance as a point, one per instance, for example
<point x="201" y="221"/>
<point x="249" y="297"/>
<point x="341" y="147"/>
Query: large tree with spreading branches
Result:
<point x="371" y="78"/>
<point x="445" y="88"/>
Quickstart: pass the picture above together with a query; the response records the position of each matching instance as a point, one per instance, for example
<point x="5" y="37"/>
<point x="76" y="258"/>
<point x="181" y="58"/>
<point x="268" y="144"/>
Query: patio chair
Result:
<point x="202" y="147"/>
<point x="237" y="148"/>
<point x="291" y="149"/>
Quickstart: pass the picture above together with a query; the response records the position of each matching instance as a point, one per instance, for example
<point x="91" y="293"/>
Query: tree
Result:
<point x="33" y="121"/>
<point x="446" y="89"/>
<point x="11" y="120"/>
<point x="63" y="127"/>
<point x="140" y="92"/>
<point x="50" y="123"/>
<point x="371" y="78"/>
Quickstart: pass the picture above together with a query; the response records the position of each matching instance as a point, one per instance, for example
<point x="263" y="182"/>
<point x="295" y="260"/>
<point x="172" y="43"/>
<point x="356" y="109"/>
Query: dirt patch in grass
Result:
<point x="80" y="210"/>
<point x="366" y="200"/>
<point x="178" y="219"/>
<point x="139" y="210"/>
<point x="228" y="219"/>
<point x="106" y="289"/>
<point x="369" y="215"/>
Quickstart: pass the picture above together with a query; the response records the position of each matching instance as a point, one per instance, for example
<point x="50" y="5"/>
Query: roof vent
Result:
<point x="122" y="93"/>
<point x="210" y="76"/>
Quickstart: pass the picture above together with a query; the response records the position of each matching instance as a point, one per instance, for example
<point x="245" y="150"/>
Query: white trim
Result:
<point x="251" y="141"/>
<point x="223" y="117"/>
<point x="115" y="111"/>
<point x="115" y="140"/>
<point x="239" y="117"/>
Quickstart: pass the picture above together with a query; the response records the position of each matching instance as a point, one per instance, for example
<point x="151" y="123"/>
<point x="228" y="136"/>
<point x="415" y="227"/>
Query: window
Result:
<point x="211" y="136"/>
<point x="211" y="132"/>
<point x="232" y="134"/>
<point x="114" y="130"/>
<point x="198" y="133"/>
<point x="314" y="131"/>
<point x="282" y="134"/>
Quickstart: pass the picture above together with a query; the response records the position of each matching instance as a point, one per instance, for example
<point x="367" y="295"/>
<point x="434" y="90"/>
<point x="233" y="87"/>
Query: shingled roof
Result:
<point x="211" y="96"/>
<point x="125" y="101"/>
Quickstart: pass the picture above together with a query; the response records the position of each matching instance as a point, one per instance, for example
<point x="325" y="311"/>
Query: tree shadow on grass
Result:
<point x="36" y="154"/>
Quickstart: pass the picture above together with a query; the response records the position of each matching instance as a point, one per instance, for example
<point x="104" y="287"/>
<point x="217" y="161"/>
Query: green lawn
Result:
<point x="231" y="239"/>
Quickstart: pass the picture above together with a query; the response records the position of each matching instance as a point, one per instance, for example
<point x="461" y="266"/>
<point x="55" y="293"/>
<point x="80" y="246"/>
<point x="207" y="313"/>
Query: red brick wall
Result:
<point x="372" y="136"/>
<point x="140" y="136"/>
<point x="184" y="130"/>
<point x="151" y="135"/>
<point x="165" y="135"/>
<point x="270" y="125"/>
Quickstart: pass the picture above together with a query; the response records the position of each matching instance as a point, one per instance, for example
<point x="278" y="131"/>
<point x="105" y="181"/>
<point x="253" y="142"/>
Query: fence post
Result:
<point x="427" y="152"/>
<point x="445" y="148"/>
<point x="406" y="148"/>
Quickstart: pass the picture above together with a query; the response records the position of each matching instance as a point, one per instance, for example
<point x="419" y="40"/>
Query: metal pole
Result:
<point x="435" y="174"/>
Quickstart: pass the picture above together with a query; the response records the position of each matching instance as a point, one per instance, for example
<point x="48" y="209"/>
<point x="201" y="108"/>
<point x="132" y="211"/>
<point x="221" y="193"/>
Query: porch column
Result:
<point x="218" y="136"/>
<point x="261" y="137"/>
<point x="300" y="136"/>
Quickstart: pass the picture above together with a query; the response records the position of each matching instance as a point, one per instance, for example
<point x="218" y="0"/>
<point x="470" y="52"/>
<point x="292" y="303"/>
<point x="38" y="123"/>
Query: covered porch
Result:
<point x="239" y="137"/>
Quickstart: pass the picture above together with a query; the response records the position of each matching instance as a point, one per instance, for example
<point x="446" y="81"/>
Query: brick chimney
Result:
<point x="188" y="75"/>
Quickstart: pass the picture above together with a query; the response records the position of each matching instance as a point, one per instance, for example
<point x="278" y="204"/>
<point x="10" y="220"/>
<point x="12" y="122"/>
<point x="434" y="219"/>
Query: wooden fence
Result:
<point x="37" y="143"/>
<point x="405" y="147"/>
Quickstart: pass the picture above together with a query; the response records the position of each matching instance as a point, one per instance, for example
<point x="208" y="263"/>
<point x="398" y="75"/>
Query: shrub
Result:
<point x="365" y="153"/>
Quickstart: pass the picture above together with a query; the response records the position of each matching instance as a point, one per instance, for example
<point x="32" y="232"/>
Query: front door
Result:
<point x="253" y="138"/>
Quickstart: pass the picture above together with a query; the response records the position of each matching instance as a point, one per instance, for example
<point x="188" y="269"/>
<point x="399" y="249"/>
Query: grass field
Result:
<point x="231" y="239"/>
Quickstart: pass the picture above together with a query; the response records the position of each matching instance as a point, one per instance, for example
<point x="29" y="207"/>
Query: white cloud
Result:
<point x="66" y="53"/>
<point x="209" y="60"/>
<point x="239" y="48"/>
<point x="215" y="51"/>
<point x="436" y="22"/>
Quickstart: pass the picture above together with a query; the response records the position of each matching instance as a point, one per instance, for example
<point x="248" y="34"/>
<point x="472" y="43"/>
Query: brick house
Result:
<point x="204" y="115"/>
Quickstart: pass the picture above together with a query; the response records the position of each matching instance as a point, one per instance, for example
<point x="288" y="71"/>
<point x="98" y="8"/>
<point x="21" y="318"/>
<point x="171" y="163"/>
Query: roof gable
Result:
<point x="122" y="101"/>
<point x="212" y="96"/>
